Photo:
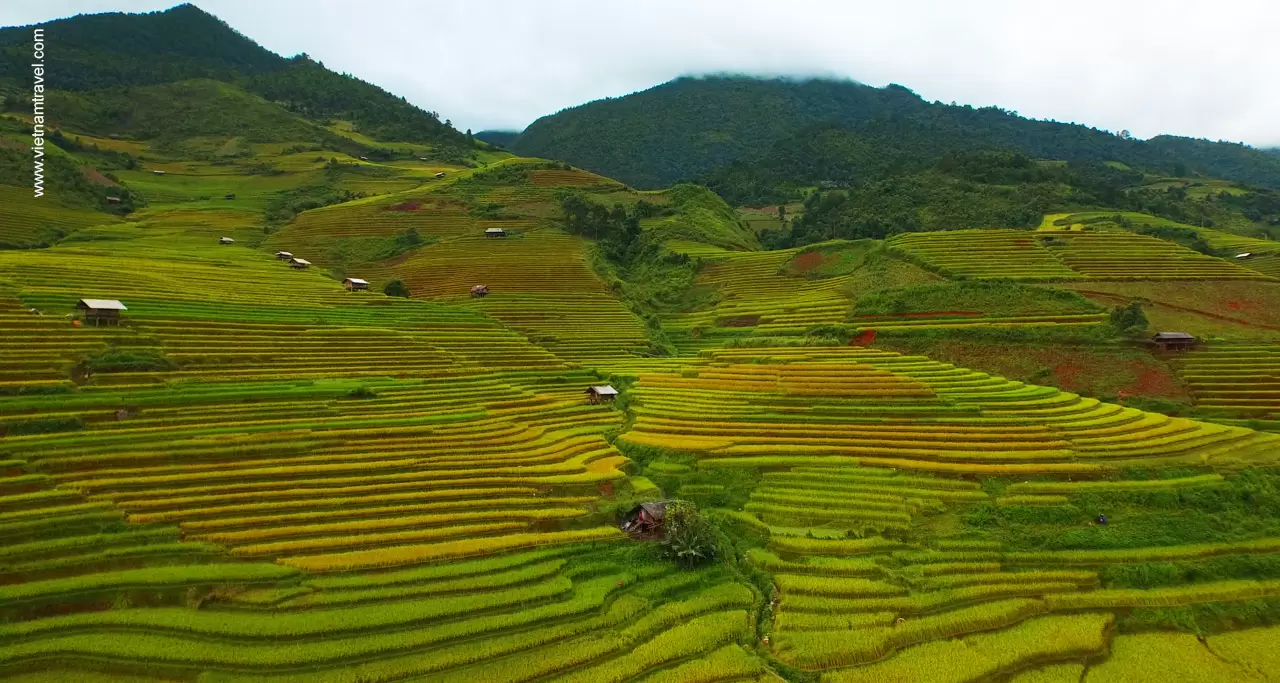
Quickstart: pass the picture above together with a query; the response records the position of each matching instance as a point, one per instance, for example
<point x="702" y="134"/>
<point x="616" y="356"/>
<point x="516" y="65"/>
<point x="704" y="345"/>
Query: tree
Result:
<point x="1129" y="319"/>
<point x="688" y="538"/>
<point x="396" y="288"/>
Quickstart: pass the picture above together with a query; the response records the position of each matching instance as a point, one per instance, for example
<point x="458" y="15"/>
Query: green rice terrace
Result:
<point x="356" y="397"/>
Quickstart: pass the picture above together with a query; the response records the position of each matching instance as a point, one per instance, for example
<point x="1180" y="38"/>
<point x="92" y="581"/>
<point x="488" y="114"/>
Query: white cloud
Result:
<point x="1175" y="67"/>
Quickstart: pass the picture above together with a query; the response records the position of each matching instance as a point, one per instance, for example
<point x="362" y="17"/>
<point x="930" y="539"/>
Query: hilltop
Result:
<point x="117" y="51"/>
<point x="695" y="127"/>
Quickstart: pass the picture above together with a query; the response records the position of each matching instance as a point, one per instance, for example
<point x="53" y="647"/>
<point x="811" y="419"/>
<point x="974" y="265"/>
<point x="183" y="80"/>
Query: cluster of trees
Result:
<point x="615" y="230"/>
<point x="949" y="196"/>
<point x="1005" y="189"/>
<point x="104" y="159"/>
<point x="66" y="183"/>
<point x="284" y="205"/>
<point x="396" y="288"/>
<point x="1129" y="320"/>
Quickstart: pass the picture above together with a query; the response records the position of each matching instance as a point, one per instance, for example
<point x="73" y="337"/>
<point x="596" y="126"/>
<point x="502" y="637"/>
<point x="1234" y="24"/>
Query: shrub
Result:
<point x="129" y="360"/>
<point x="396" y="288"/>
<point x="689" y="539"/>
<point x="1129" y="319"/>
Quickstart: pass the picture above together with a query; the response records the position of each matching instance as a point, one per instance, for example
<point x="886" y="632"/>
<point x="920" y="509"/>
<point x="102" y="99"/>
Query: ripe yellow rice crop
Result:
<point x="417" y="554"/>
<point x="730" y="662"/>
<point x="846" y="587"/>
<point x="826" y="649"/>
<point x="1217" y="591"/>
<point x="1164" y="657"/>
<point x="841" y="548"/>
<point x="1252" y="649"/>
<point x="985" y="655"/>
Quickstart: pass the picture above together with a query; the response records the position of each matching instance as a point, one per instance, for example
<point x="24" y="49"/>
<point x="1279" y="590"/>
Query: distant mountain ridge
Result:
<point x="501" y="138"/>
<point x="701" y="128"/>
<point x="101" y="52"/>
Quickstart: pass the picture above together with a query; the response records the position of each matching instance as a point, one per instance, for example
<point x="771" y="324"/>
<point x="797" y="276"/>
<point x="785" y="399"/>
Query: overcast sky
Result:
<point x="1207" y="70"/>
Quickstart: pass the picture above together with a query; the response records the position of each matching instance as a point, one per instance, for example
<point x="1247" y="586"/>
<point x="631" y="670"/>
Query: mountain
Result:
<point x="501" y="138"/>
<point x="687" y="127"/>
<point x="699" y="128"/>
<point x="107" y="52"/>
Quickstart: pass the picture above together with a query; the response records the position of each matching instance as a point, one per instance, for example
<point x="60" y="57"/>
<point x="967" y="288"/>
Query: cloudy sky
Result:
<point x="1190" y="68"/>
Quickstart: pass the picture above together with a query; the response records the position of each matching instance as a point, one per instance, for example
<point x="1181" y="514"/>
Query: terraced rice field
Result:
<point x="1268" y="264"/>
<point x="1127" y="256"/>
<point x="845" y="406"/>
<point x="857" y="453"/>
<point x="27" y="222"/>
<point x="753" y="293"/>
<point x="263" y="477"/>
<point x="998" y="254"/>
<point x="1239" y="381"/>
<point x="323" y="485"/>
<point x="1064" y="255"/>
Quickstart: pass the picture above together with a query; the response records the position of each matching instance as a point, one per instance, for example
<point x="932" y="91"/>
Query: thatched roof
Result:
<point x="602" y="390"/>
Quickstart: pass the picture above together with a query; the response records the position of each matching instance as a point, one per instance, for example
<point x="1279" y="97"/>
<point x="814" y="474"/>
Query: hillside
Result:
<point x="114" y="51"/>
<point x="915" y="432"/>
<point x="691" y="127"/>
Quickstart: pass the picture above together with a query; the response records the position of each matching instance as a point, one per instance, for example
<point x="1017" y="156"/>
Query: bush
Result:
<point x="129" y="360"/>
<point x="396" y="288"/>
<point x="1129" y="319"/>
<point x="688" y="538"/>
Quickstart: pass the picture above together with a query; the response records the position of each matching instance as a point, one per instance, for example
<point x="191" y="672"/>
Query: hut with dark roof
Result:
<point x="1173" y="341"/>
<point x="645" y="520"/>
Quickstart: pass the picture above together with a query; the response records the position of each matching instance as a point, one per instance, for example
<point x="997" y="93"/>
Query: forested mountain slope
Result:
<point x="116" y="50"/>
<point x="690" y="127"/>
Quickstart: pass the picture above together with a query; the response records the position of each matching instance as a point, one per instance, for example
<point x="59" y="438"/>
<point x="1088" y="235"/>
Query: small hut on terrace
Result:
<point x="226" y="240"/>
<point x="440" y="174"/>
<point x="1173" y="341"/>
<point x="602" y="393"/>
<point x="299" y="263"/>
<point x="101" y="310"/>
<point x="480" y="290"/>
<point x="1245" y="255"/>
<point x="495" y="232"/>
<point x="284" y="256"/>
<point x="645" y="520"/>
<point x="355" y="284"/>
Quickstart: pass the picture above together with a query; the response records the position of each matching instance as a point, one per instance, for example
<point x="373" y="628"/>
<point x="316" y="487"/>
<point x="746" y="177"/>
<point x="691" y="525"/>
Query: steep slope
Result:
<point x="116" y="50"/>
<point x="688" y="127"/>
